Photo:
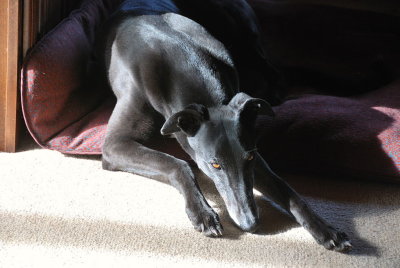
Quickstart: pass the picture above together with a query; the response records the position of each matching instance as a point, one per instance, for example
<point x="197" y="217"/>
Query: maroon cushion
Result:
<point x="60" y="110"/>
<point x="356" y="135"/>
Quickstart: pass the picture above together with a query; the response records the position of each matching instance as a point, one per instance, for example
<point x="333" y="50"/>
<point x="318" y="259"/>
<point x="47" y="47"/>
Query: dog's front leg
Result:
<point x="124" y="154"/>
<point x="278" y="191"/>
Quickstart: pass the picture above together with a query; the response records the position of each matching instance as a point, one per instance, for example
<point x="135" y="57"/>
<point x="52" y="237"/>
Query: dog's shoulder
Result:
<point x="196" y="35"/>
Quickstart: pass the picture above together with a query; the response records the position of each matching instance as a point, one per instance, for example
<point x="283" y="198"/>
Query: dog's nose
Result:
<point x="251" y="228"/>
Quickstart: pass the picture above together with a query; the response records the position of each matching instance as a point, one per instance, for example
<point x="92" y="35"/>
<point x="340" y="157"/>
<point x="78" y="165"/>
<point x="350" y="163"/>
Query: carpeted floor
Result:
<point x="63" y="211"/>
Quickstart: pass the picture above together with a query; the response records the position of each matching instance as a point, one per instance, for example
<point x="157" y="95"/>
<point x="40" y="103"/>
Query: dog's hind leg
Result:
<point x="122" y="151"/>
<point x="278" y="191"/>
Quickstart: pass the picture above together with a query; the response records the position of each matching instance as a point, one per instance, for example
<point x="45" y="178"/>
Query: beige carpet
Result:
<point x="62" y="211"/>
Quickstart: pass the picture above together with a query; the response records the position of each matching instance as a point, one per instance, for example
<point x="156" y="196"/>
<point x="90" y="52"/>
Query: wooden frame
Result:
<point x="10" y="29"/>
<point x="30" y="24"/>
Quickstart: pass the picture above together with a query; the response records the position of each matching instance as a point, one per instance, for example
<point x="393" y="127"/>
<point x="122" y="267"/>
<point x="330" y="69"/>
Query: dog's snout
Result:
<point x="247" y="218"/>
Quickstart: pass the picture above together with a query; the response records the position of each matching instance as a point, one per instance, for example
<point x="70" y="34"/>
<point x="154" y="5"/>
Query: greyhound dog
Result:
<point x="172" y="77"/>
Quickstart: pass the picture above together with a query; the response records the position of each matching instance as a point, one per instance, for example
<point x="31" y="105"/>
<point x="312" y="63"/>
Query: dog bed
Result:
<point x="342" y="67"/>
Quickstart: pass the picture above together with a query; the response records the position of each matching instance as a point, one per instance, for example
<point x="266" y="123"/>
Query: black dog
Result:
<point x="168" y="72"/>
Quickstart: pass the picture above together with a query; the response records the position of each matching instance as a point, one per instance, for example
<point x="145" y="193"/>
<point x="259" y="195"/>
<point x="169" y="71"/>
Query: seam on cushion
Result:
<point x="95" y="108"/>
<point x="82" y="151"/>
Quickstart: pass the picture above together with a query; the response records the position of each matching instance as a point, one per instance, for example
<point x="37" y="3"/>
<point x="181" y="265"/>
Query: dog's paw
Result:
<point x="335" y="240"/>
<point x="207" y="222"/>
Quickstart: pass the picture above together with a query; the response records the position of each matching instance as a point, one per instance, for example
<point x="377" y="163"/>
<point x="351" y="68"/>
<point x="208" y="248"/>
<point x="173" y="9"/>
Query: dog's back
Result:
<point x="169" y="50"/>
<point x="232" y="22"/>
<point x="128" y="9"/>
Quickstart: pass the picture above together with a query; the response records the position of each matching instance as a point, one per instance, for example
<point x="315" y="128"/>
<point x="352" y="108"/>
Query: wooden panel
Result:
<point x="30" y="24"/>
<point x="9" y="51"/>
<point x="3" y="69"/>
<point x="14" y="31"/>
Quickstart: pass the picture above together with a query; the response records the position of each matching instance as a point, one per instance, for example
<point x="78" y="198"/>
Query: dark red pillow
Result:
<point x="357" y="136"/>
<point x="61" y="111"/>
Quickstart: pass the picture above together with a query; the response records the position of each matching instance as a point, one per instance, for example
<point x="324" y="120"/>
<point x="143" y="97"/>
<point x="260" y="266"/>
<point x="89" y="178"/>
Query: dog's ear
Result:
<point x="248" y="108"/>
<point x="189" y="120"/>
<point x="246" y="105"/>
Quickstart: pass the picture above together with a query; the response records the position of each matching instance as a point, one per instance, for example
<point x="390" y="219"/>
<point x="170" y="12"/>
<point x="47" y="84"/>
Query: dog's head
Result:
<point x="222" y="141"/>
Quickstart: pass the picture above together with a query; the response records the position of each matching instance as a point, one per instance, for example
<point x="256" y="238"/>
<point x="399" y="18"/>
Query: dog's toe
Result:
<point x="208" y="223"/>
<point x="337" y="241"/>
<point x="212" y="227"/>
